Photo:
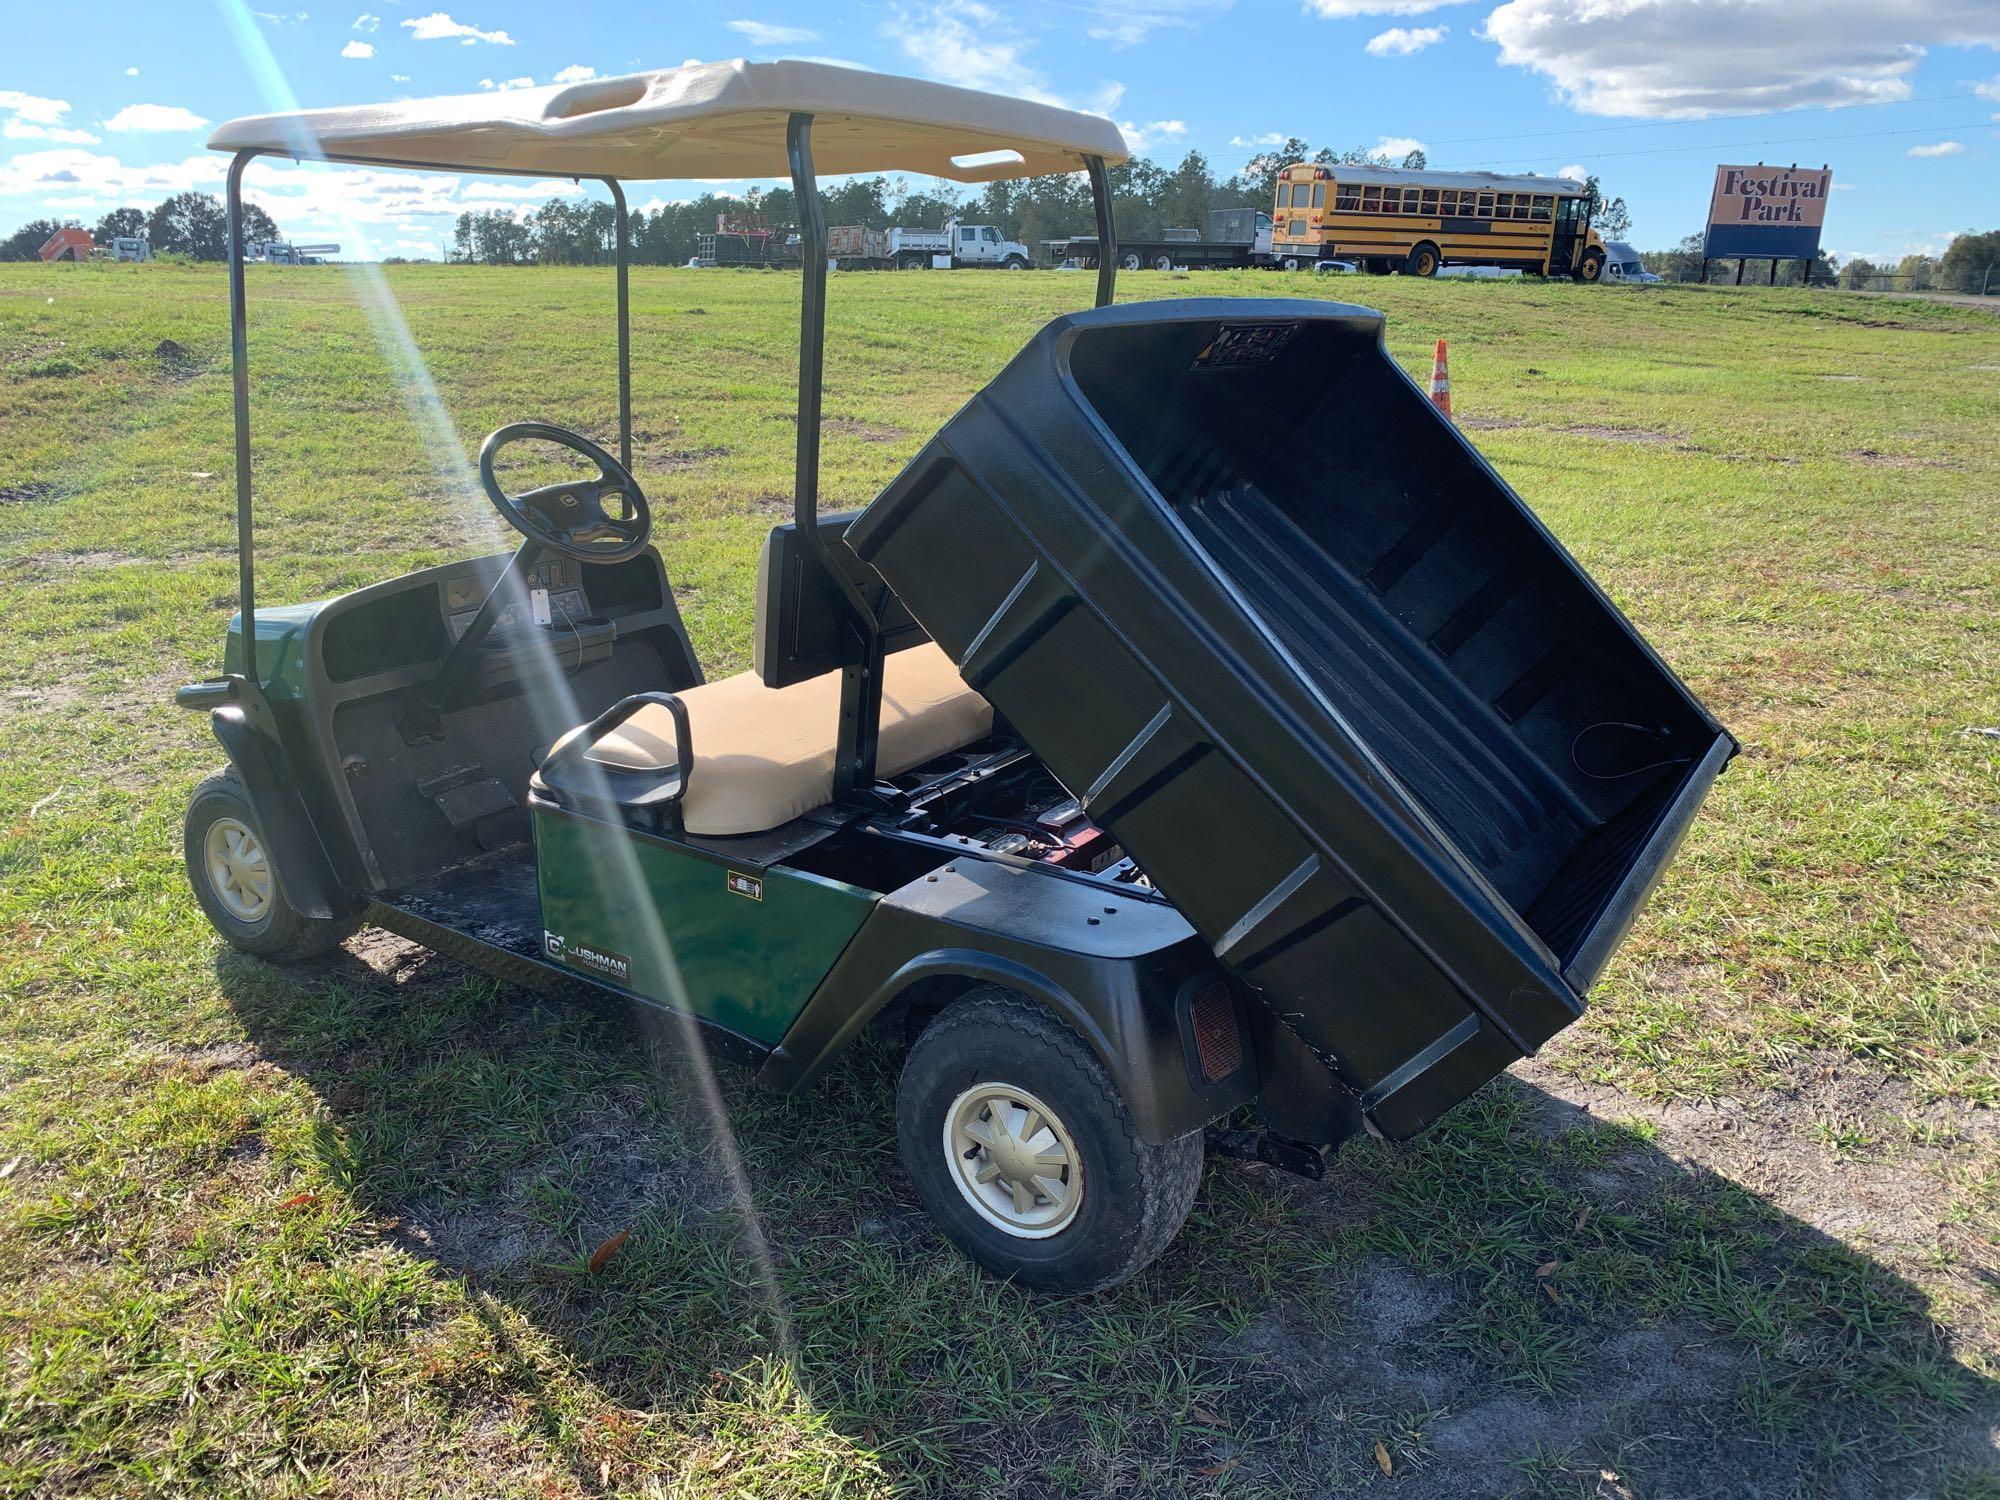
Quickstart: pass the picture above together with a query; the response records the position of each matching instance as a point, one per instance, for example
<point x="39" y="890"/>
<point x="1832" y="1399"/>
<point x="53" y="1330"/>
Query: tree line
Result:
<point x="1970" y="263"/>
<point x="192" y="224"/>
<point x="1147" y="198"/>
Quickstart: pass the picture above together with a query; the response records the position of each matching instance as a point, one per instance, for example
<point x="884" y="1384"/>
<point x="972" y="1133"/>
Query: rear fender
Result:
<point x="1129" y="1007"/>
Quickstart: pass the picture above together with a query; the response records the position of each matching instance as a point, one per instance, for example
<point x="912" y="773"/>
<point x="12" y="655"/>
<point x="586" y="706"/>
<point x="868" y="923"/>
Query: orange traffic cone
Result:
<point x="1440" y="382"/>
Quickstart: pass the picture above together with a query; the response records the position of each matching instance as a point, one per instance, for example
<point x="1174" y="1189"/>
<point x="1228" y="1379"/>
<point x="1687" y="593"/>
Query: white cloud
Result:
<point x="14" y="128"/>
<point x="1687" y="59"/>
<point x="399" y="78"/>
<point x="507" y="83"/>
<point x="1341" y="10"/>
<point x="1573" y="172"/>
<point x="1126" y="23"/>
<point x="274" y="18"/>
<point x="765" y="34"/>
<point x="34" y="108"/>
<point x="1401" y="41"/>
<point x="1268" y="138"/>
<point x="131" y="72"/>
<point x="1990" y="89"/>
<point x="366" y="22"/>
<point x="967" y="42"/>
<point x="155" y="117"/>
<point x="30" y="117"/>
<point x="1398" y="146"/>
<point x="1142" y="137"/>
<point x="439" y="27"/>
<point x="88" y="178"/>
<point x="1942" y="148"/>
<point x="358" y="50"/>
<point x="575" y="73"/>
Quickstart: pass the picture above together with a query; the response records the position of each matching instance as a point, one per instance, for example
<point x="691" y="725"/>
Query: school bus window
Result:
<point x="1347" y="195"/>
<point x="1485" y="205"/>
<point x="1430" y="201"/>
<point x="1410" y="196"/>
<point x="1371" y="200"/>
<point x="1543" y="204"/>
<point x="1503" y="205"/>
<point x="1450" y="198"/>
<point x="1319" y="195"/>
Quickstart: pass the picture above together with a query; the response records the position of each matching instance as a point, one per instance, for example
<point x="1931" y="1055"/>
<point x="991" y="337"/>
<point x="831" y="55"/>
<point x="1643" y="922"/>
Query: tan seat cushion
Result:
<point x="764" y="755"/>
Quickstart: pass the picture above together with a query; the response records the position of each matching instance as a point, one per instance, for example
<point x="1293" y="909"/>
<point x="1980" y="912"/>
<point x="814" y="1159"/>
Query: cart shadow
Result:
<point x="1528" y="1299"/>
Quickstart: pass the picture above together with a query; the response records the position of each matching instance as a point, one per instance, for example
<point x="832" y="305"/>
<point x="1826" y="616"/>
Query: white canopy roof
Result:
<point x="715" y="120"/>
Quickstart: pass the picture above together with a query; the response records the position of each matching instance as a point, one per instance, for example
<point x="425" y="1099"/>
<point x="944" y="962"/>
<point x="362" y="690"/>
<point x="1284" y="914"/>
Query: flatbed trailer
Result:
<point x="1237" y="237"/>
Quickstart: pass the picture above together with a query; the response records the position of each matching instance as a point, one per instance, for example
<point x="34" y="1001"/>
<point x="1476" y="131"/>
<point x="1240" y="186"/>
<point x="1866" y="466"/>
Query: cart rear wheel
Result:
<point x="1025" y="1154"/>
<point x="229" y="866"/>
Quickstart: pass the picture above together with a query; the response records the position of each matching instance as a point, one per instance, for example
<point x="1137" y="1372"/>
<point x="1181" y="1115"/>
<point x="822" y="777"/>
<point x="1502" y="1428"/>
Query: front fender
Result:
<point x="305" y="873"/>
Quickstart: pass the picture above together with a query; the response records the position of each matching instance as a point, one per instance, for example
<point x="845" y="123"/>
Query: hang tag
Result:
<point x="538" y="601"/>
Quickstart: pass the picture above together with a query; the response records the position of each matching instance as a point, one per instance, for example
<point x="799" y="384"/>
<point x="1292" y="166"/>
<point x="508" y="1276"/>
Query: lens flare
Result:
<point x="552" y="701"/>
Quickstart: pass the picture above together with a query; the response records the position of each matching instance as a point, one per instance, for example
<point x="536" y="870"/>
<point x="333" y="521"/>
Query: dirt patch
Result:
<point x="1876" y="459"/>
<point x="1849" y="378"/>
<point x="1621" y="434"/>
<point x="868" y="432"/>
<point x="1490" y="424"/>
<point x="176" y="364"/>
<point x="678" y="460"/>
<point x="27" y="493"/>
<point x="608" y="1175"/>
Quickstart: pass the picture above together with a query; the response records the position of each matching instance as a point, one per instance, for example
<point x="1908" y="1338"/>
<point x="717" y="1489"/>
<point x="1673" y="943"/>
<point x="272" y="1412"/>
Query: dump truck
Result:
<point x="957" y="246"/>
<point x="1236" y="237"/>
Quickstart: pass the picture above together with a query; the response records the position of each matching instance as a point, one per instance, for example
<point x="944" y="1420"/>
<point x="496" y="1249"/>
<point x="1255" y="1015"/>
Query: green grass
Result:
<point x="325" y="1231"/>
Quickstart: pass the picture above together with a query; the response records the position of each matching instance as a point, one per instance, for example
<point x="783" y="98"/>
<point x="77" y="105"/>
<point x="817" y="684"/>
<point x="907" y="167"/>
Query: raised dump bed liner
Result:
<point x="1249" y="595"/>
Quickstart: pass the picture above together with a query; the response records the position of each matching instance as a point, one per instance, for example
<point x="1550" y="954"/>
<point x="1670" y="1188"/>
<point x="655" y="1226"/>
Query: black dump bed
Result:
<point x="1356" y="712"/>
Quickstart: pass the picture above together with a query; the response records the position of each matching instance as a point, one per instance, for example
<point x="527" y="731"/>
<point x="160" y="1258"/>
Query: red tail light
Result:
<point x="1217" y="1042"/>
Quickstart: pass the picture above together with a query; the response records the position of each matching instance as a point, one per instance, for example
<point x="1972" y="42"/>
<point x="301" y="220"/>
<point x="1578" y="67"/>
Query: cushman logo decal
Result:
<point x="745" y="885"/>
<point x="601" y="961"/>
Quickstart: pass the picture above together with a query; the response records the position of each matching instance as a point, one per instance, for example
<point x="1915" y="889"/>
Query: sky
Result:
<point x="111" y="102"/>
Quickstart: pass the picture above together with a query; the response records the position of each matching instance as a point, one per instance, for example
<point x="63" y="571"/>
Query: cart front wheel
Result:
<point x="1025" y="1154"/>
<point x="229" y="866"/>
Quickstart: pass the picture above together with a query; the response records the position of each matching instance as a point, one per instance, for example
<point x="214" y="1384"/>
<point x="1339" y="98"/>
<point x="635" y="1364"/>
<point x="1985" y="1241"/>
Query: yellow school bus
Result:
<point x="1394" y="219"/>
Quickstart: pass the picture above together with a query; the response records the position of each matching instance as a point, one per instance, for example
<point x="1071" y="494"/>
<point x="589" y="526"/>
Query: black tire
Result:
<point x="1015" y="263"/>
<point x="1163" y="263"/>
<point x="1590" y="268"/>
<point x="1423" y="260"/>
<point x="912" y="263"/>
<point x="1134" y="1196"/>
<point x="1131" y="261"/>
<point x="278" y="933"/>
<point x="1376" y="265"/>
<point x="1289" y="263"/>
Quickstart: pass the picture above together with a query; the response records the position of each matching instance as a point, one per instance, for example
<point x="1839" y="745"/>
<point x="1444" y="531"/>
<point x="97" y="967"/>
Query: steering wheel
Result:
<point x="569" y="517"/>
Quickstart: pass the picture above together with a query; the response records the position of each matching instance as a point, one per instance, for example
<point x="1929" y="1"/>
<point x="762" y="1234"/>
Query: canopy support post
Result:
<point x="624" y="234"/>
<point x="239" y="381"/>
<point x="1107" y="230"/>
<point x="861" y="679"/>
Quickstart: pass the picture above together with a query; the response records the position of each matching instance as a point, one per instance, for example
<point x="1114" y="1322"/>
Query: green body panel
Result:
<point x="613" y="905"/>
<point x="281" y="647"/>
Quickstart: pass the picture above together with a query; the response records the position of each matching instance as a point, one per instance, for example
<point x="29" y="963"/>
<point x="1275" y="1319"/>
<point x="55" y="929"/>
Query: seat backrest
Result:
<point x="801" y="627"/>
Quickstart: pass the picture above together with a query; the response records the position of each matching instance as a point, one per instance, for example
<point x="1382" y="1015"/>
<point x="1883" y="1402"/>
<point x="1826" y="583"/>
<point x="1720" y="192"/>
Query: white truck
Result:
<point x="956" y="246"/>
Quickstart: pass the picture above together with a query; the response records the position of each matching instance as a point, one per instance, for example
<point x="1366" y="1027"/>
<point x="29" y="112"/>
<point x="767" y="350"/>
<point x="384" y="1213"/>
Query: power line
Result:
<point x="1534" y="135"/>
<point x="1785" y="140"/>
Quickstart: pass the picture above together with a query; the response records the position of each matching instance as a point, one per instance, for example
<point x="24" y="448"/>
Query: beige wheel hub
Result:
<point x="1013" y="1160"/>
<point x="239" y="872"/>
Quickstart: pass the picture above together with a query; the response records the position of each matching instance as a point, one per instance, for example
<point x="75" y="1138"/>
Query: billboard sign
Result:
<point x="1766" y="213"/>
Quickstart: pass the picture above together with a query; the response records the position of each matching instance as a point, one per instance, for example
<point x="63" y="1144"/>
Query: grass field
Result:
<point x="326" y="1230"/>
